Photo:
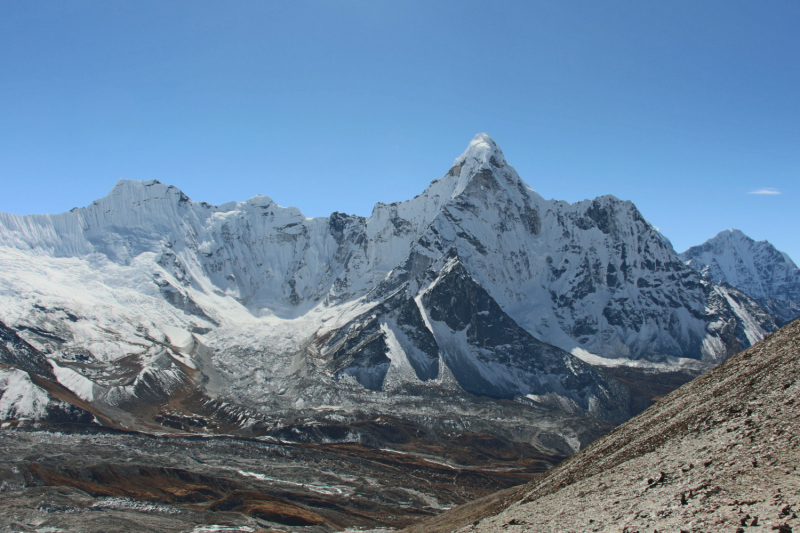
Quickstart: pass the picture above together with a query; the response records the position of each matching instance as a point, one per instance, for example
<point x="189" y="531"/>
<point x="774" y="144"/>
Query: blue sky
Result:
<point x="685" y="108"/>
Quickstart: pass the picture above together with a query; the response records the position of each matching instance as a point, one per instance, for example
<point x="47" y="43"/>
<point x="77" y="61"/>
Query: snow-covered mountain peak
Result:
<point x="734" y="233"/>
<point x="481" y="167"/>
<point x="123" y="185"/>
<point x="755" y="267"/>
<point x="260" y="200"/>
<point x="729" y="241"/>
<point x="145" y="188"/>
<point x="137" y="198"/>
<point x="478" y="282"/>
<point x="727" y="238"/>
<point x="482" y="149"/>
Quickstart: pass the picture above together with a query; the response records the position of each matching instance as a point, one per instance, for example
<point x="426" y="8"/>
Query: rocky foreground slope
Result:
<point x="719" y="454"/>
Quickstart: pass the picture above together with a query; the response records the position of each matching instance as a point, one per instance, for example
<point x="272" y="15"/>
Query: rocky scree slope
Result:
<point x="718" y="454"/>
<point x="756" y="268"/>
<point x="146" y="293"/>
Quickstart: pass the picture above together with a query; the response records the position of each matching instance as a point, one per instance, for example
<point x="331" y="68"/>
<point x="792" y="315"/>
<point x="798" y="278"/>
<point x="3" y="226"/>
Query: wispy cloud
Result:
<point x="766" y="191"/>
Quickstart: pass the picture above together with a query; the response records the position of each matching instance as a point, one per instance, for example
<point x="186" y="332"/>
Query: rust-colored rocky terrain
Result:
<point x="88" y="478"/>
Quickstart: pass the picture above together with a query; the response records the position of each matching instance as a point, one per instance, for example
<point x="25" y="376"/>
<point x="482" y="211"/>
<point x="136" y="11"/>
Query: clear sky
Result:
<point x="686" y="108"/>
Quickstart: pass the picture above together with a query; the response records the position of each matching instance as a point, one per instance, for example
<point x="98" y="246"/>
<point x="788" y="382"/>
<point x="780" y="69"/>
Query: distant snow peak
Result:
<point x="732" y="233"/>
<point x="755" y="267"/>
<point x="260" y="200"/>
<point x="124" y="185"/>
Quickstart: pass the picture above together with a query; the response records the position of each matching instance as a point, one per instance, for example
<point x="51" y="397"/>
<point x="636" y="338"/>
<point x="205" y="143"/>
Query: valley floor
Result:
<point x="97" y="480"/>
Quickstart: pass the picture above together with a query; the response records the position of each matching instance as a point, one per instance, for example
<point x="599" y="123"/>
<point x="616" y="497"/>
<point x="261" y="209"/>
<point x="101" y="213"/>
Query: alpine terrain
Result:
<point x="476" y="332"/>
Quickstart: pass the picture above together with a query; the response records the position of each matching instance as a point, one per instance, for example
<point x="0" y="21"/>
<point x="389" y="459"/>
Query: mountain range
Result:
<point x="147" y="271"/>
<point x="477" y="308"/>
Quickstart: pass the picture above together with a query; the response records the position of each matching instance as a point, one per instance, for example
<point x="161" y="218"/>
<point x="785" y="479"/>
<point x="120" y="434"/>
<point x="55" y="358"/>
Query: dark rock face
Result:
<point x="181" y="300"/>
<point x="360" y="348"/>
<point x="15" y="351"/>
<point x="29" y="389"/>
<point x="360" y="351"/>
<point x="465" y="330"/>
<point x="603" y="217"/>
